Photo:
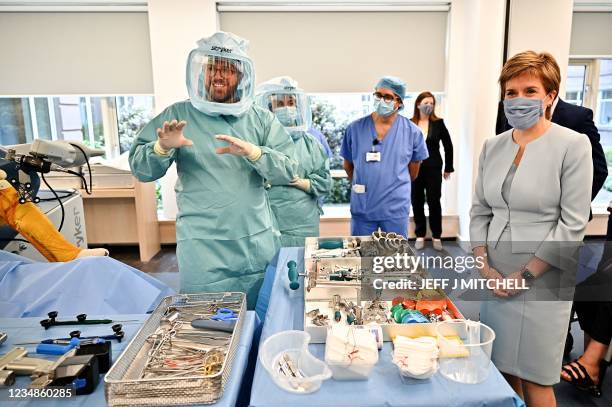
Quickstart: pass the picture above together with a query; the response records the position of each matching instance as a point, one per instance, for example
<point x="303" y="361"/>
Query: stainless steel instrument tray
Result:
<point x="124" y="387"/>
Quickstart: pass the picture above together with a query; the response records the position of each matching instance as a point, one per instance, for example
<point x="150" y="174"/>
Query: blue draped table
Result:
<point x="29" y="330"/>
<point x="384" y="388"/>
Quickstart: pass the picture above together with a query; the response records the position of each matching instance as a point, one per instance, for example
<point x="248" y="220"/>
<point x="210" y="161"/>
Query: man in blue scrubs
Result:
<point x="382" y="154"/>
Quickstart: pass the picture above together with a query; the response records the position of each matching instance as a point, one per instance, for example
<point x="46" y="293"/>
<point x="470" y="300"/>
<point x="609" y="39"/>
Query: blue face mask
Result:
<point x="384" y="108"/>
<point x="523" y="113"/>
<point x="286" y="115"/>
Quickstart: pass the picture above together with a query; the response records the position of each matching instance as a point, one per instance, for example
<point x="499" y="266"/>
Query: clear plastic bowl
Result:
<point x="295" y="344"/>
<point x="467" y="362"/>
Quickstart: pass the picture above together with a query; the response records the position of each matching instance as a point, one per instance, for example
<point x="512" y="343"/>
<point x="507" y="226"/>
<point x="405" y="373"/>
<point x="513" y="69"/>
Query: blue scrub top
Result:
<point x="387" y="182"/>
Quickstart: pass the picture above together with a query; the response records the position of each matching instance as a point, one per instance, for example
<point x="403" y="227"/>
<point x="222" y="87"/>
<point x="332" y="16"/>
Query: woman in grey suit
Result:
<point x="529" y="214"/>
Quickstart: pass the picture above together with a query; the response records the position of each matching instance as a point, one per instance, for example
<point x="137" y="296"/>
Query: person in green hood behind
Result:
<point x="296" y="205"/>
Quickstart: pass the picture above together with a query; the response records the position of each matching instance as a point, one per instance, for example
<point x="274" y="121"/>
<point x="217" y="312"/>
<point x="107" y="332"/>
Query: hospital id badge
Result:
<point x="373" y="156"/>
<point x="359" y="189"/>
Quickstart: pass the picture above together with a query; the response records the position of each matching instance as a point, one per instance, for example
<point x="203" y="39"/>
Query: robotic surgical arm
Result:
<point x="54" y="155"/>
<point x="17" y="198"/>
<point x="43" y="156"/>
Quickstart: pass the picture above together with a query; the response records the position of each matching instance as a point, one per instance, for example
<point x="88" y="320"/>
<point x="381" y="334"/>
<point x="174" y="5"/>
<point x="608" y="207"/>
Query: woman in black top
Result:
<point x="428" y="185"/>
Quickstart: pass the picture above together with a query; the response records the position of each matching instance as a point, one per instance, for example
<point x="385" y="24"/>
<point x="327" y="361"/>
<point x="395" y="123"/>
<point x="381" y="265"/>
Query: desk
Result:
<point x="384" y="388"/>
<point x="123" y="216"/>
<point x="29" y="330"/>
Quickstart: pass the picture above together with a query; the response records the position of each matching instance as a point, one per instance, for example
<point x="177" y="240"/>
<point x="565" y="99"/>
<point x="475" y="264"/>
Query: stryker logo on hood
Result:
<point x="221" y="49"/>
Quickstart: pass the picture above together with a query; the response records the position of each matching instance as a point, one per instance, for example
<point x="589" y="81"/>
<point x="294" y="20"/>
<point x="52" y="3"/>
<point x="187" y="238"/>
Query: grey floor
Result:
<point x="164" y="267"/>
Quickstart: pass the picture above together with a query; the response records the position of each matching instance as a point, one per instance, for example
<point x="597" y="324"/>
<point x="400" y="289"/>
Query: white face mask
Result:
<point x="286" y="115"/>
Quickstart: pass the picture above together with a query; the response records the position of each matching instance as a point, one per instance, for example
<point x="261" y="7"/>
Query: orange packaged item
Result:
<point x="430" y="306"/>
<point x="409" y="304"/>
<point x="397" y="300"/>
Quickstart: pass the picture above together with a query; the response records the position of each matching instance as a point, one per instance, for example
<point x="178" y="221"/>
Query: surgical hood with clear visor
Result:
<point x="220" y="76"/>
<point x="288" y="103"/>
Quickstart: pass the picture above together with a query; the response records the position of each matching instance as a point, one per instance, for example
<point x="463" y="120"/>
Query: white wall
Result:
<point x="543" y="25"/>
<point x="175" y="26"/>
<point x="474" y="61"/>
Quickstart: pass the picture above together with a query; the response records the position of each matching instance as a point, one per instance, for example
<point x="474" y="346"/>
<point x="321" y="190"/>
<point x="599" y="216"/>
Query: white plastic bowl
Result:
<point x="294" y="343"/>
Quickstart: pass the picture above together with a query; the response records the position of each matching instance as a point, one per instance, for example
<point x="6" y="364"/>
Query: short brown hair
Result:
<point x="542" y="65"/>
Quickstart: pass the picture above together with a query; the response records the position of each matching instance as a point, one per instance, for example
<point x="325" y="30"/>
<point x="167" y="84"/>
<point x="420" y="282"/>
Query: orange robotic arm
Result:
<point x="28" y="220"/>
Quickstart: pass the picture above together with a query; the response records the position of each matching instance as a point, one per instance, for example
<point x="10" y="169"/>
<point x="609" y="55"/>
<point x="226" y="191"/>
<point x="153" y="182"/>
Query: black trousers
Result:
<point x="595" y="319"/>
<point x="427" y="187"/>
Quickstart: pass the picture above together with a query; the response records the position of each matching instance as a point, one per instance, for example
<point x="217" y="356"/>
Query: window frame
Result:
<point x="111" y="137"/>
<point x="589" y="92"/>
<point x="590" y="100"/>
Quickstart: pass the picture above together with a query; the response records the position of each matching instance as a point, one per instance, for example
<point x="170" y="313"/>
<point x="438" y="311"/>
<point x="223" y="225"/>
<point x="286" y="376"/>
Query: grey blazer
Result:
<point x="550" y="196"/>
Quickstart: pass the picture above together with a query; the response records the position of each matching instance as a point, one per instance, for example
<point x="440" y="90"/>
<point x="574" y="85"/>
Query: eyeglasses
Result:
<point x="387" y="98"/>
<point x="223" y="69"/>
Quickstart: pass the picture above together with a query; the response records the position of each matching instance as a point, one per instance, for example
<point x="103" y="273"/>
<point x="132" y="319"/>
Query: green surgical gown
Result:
<point x="224" y="226"/>
<point x="297" y="212"/>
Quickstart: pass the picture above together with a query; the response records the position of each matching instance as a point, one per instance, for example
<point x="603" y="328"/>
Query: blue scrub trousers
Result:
<point x="362" y="227"/>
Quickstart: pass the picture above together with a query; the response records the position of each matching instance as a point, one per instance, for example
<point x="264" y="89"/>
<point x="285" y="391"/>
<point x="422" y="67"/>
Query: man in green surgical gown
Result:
<point x="224" y="147"/>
